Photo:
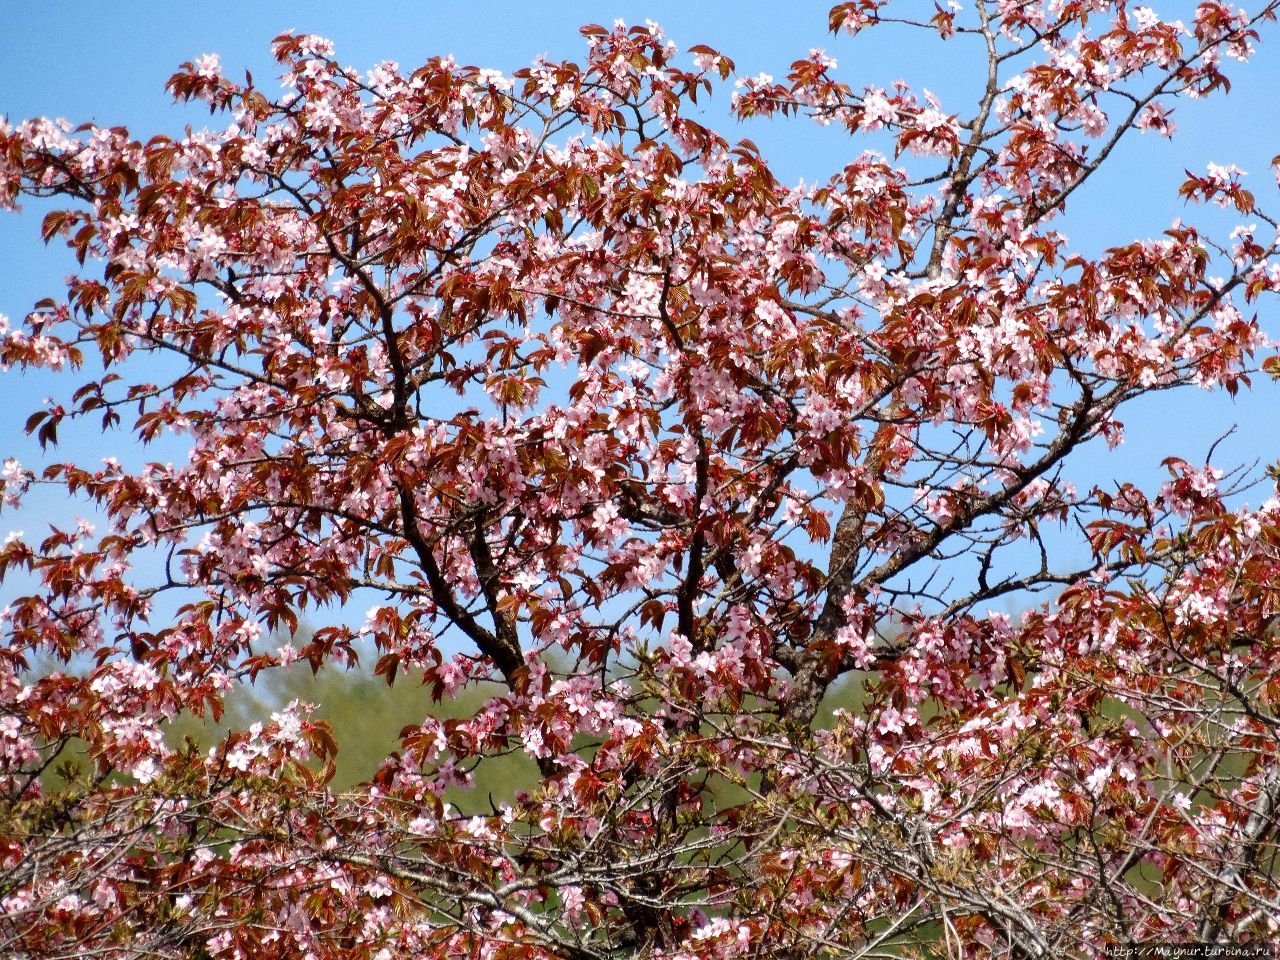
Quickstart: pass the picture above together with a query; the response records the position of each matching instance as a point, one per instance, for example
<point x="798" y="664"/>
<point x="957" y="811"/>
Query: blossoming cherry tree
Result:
<point x="602" y="418"/>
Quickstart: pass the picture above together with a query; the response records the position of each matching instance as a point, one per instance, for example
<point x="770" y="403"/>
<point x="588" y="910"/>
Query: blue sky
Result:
<point x="107" y="63"/>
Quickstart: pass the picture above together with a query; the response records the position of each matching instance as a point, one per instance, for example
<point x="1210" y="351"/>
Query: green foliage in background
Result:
<point x="367" y="715"/>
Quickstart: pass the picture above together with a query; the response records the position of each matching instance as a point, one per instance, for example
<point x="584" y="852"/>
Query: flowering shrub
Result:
<point x="595" y="409"/>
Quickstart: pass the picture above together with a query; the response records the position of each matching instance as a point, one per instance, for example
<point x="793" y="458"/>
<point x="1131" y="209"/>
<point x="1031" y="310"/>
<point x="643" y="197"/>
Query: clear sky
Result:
<point x="107" y="63"/>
